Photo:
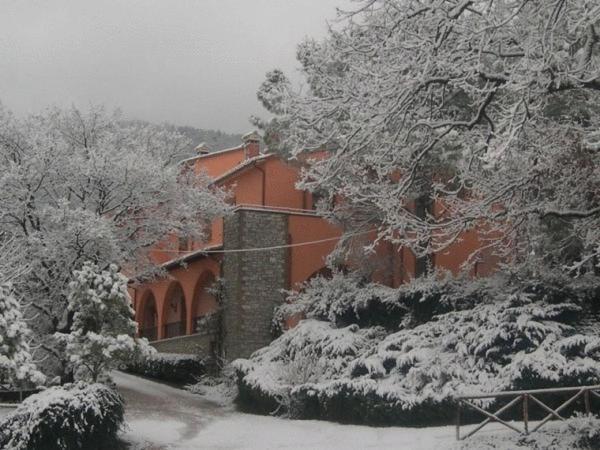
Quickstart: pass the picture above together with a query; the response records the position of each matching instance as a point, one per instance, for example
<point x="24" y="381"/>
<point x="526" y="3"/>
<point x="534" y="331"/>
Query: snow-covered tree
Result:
<point x="16" y="364"/>
<point x="103" y="329"/>
<point x="424" y="119"/>
<point x="12" y="265"/>
<point x="488" y="110"/>
<point x="78" y="186"/>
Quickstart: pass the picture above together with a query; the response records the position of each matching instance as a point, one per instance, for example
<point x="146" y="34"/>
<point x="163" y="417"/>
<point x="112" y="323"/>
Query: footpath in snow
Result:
<point x="162" y="417"/>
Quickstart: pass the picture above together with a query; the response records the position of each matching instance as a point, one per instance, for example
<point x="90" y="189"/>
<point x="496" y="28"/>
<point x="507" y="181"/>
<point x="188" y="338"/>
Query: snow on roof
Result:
<point x="208" y="155"/>
<point x="244" y="164"/>
<point x="189" y="256"/>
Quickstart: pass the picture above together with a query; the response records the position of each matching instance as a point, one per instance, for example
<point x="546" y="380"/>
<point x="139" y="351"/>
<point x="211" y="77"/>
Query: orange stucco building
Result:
<point x="269" y="212"/>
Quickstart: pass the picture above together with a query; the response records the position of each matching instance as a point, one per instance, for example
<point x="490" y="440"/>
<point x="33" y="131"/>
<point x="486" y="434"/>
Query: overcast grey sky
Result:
<point x="190" y="62"/>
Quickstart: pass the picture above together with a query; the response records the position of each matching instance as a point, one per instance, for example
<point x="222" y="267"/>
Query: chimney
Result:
<point x="251" y="144"/>
<point x="202" y="149"/>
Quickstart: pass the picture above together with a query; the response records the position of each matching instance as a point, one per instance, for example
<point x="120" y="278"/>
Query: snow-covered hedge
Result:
<point x="311" y="352"/>
<point x="520" y="334"/>
<point x="346" y="299"/>
<point x="171" y="367"/>
<point x="343" y="300"/>
<point x="69" y="417"/>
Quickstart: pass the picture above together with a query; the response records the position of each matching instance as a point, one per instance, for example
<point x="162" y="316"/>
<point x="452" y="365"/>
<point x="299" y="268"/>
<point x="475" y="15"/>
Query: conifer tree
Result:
<point x="103" y="330"/>
<point x="16" y="366"/>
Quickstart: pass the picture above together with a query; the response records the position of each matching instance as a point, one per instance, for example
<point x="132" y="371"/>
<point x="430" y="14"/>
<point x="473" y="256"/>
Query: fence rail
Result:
<point x="525" y="399"/>
<point x="12" y="397"/>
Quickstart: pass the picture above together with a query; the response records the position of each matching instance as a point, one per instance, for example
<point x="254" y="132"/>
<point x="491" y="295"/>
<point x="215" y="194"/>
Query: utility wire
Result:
<point x="260" y="249"/>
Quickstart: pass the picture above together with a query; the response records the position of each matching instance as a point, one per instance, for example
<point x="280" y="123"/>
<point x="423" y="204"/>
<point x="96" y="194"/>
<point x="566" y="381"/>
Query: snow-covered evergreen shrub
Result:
<point x="220" y="388"/>
<point x="343" y="300"/>
<point x="587" y="430"/>
<point x="308" y="353"/>
<point x="70" y="417"/>
<point x="514" y="344"/>
<point x="522" y="332"/>
<point x="103" y="329"/>
<point x="16" y="366"/>
<point x="171" y="367"/>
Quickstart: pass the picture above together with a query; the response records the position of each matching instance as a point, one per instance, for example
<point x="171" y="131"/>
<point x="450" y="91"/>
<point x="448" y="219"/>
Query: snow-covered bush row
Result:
<point x="343" y="300"/>
<point x="522" y="334"/>
<point x="346" y="299"/>
<point x="172" y="367"/>
<point x="311" y="352"/>
<point x="70" y="417"/>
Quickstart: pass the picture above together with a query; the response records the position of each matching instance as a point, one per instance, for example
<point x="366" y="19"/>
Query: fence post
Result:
<point x="526" y="412"/>
<point x="586" y="400"/>
<point x="458" y="420"/>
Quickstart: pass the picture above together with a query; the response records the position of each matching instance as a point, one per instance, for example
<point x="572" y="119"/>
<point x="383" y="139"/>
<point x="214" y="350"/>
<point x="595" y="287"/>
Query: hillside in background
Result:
<point x="214" y="139"/>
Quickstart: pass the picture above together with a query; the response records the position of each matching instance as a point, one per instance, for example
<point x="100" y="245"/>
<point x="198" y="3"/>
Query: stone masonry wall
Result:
<point x="252" y="280"/>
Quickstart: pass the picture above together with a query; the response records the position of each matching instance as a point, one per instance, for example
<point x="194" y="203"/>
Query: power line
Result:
<point x="260" y="249"/>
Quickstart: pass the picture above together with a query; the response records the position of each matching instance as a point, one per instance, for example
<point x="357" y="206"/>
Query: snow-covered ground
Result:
<point x="162" y="417"/>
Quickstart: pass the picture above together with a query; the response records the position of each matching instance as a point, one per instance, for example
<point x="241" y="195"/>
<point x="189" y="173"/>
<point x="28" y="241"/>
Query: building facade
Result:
<point x="273" y="241"/>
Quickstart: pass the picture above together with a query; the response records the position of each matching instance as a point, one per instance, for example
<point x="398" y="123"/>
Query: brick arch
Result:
<point x="147" y="316"/>
<point x="203" y="301"/>
<point x="174" y="311"/>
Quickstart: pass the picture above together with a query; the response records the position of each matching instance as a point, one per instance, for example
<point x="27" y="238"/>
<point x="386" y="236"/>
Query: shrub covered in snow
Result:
<point x="16" y="366"/>
<point x="70" y="417"/>
<point x="343" y="300"/>
<point x="101" y="336"/>
<point x="520" y="333"/>
<point x="311" y="352"/>
<point x="220" y="389"/>
<point x="171" y="367"/>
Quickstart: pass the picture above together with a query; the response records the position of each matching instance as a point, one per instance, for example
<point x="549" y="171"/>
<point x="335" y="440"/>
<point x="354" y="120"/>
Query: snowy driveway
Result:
<point x="161" y="417"/>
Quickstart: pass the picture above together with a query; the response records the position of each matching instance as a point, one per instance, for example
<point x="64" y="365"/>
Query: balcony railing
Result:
<point x="174" y="329"/>
<point x="150" y="333"/>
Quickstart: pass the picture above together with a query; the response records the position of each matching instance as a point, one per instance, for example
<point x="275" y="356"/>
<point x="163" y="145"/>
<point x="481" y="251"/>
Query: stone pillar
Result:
<point x="252" y="280"/>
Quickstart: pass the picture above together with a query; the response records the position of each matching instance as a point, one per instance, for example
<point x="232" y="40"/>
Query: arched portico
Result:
<point x="174" y="312"/>
<point x="204" y="301"/>
<point x="148" y="317"/>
